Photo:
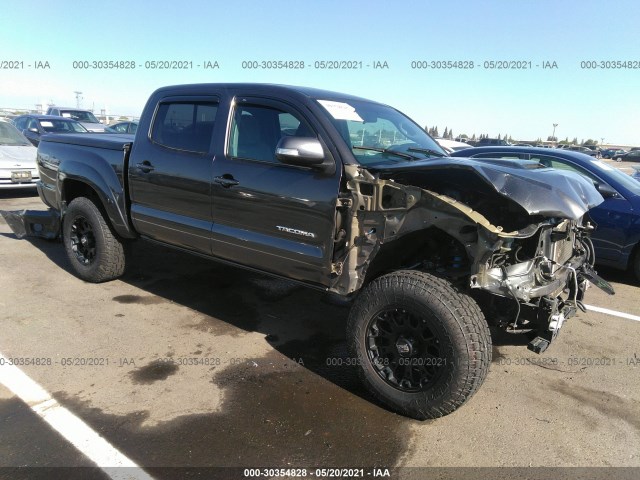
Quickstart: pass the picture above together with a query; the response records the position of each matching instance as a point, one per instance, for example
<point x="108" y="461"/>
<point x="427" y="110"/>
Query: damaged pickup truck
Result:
<point x="345" y="195"/>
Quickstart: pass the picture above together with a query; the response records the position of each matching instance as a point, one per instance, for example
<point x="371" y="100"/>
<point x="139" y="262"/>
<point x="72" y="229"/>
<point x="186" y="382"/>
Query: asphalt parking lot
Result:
<point x="188" y="363"/>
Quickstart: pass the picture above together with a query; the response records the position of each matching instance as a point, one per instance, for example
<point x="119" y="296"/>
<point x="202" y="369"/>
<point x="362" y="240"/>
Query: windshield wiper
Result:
<point x="386" y="150"/>
<point x="427" y="151"/>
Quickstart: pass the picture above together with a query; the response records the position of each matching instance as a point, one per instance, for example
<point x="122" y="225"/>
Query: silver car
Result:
<point x="17" y="159"/>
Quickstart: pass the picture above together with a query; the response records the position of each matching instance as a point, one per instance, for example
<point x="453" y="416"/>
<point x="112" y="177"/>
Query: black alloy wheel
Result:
<point x="403" y="348"/>
<point x="83" y="241"/>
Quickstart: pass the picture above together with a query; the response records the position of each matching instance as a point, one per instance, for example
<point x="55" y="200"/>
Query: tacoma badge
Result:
<point x="295" y="231"/>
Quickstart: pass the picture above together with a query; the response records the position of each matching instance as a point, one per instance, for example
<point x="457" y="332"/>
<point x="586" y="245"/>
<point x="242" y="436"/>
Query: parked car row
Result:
<point x="591" y="150"/>
<point x="66" y="120"/>
<point x="34" y="126"/>
<point x="611" y="152"/>
<point x="632" y="156"/>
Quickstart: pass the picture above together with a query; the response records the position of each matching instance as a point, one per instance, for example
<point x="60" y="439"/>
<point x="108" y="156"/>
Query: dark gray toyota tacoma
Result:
<point x="345" y="195"/>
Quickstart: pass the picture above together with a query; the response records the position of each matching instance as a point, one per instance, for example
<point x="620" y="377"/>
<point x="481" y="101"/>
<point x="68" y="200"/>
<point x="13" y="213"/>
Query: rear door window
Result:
<point x="186" y="126"/>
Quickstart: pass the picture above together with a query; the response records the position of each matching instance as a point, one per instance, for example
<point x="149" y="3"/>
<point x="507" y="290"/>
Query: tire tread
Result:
<point x="439" y="293"/>
<point x="111" y="261"/>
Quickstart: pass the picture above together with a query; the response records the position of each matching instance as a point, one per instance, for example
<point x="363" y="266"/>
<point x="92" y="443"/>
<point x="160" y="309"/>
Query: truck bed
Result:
<point x="111" y="141"/>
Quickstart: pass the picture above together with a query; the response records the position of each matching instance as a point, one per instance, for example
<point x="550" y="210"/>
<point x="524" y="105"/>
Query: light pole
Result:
<point x="78" y="98"/>
<point x="553" y="135"/>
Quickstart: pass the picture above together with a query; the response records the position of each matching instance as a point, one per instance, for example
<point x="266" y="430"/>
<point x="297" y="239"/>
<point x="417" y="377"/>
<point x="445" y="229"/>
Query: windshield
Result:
<point x="79" y="115"/>
<point x="9" y="135"/>
<point x="378" y="134"/>
<point x="62" y="126"/>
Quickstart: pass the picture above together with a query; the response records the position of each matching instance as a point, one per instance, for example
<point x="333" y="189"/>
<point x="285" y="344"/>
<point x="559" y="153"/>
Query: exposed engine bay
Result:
<point x="521" y="248"/>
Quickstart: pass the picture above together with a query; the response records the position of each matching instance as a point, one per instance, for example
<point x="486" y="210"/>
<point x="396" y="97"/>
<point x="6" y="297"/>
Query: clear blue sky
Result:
<point x="525" y="104"/>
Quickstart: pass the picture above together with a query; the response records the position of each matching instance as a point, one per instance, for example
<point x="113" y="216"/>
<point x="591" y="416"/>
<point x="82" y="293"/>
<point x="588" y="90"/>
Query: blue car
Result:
<point x="617" y="238"/>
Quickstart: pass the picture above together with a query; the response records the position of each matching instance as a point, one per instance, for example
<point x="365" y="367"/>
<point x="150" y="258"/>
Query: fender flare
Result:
<point x="98" y="175"/>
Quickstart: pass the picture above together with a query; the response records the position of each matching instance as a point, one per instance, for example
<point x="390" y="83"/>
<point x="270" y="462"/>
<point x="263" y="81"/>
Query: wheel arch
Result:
<point x="78" y="179"/>
<point x="409" y="251"/>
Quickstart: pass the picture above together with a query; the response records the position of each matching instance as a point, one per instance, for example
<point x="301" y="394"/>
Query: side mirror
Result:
<point x="606" y="190"/>
<point x="301" y="151"/>
<point x="33" y="130"/>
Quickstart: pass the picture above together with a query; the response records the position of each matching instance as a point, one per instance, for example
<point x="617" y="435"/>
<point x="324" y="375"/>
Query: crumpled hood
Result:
<point x="539" y="190"/>
<point x="17" y="156"/>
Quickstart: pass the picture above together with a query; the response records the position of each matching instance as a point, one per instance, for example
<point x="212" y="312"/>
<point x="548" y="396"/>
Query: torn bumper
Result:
<point x="523" y="280"/>
<point x="33" y="223"/>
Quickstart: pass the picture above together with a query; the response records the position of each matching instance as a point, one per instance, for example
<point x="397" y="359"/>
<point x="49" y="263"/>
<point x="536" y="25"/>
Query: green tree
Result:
<point x="446" y="133"/>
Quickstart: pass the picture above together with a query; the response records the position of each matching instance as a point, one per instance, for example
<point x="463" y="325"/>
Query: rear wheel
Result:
<point x="95" y="253"/>
<point x="421" y="347"/>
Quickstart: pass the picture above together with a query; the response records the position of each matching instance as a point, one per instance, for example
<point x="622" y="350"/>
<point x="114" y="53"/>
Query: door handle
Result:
<point x="145" y="166"/>
<point x="226" y="181"/>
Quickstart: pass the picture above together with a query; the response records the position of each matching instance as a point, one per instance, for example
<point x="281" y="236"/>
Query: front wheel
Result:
<point x="422" y="347"/>
<point x="95" y="253"/>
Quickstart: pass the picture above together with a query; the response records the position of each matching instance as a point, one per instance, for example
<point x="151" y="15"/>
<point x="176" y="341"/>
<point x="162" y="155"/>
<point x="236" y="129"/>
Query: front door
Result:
<point x="266" y="214"/>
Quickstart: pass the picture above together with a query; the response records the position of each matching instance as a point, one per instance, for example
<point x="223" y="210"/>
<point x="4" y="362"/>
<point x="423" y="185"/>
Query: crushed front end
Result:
<point x="538" y="281"/>
<point x="515" y="237"/>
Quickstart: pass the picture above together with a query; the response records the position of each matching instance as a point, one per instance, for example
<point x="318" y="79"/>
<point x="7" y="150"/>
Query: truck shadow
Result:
<point x="305" y="325"/>
<point x="18" y="193"/>
<point x="299" y="404"/>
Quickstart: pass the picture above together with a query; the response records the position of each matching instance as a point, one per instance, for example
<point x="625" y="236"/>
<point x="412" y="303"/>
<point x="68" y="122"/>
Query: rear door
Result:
<point x="275" y="217"/>
<point x="170" y="173"/>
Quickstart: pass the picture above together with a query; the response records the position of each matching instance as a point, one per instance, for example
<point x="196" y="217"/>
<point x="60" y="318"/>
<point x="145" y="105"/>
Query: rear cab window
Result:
<point x="184" y="125"/>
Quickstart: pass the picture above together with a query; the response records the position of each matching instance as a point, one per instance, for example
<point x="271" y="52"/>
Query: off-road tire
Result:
<point x="108" y="259"/>
<point x="464" y="341"/>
